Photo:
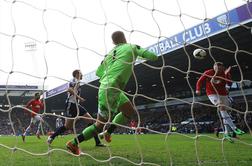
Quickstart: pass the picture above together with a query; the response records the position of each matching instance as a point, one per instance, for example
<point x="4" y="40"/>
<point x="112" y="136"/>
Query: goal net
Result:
<point x="43" y="42"/>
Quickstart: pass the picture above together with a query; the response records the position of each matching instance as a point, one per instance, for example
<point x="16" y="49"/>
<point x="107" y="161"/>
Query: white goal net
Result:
<point x="43" y="41"/>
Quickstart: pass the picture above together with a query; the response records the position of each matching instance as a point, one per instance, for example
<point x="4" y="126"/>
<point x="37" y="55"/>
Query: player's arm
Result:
<point x="28" y="106"/>
<point x="228" y="76"/>
<point x="199" y="83"/>
<point x="146" y="54"/>
<point x="72" y="92"/>
<point x="101" y="68"/>
<point x="41" y="104"/>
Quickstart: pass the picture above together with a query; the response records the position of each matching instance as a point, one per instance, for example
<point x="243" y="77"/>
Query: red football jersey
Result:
<point x="35" y="105"/>
<point x="217" y="86"/>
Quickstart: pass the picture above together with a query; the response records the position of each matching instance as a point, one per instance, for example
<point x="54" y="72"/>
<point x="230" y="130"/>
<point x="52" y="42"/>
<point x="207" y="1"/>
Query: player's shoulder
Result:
<point x="72" y="82"/>
<point x="128" y="46"/>
<point x="209" y="71"/>
<point x="31" y="101"/>
<point x="135" y="46"/>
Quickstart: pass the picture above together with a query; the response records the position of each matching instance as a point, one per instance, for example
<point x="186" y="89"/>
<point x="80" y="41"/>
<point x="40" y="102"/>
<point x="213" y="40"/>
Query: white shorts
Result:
<point x="217" y="100"/>
<point x="36" y="118"/>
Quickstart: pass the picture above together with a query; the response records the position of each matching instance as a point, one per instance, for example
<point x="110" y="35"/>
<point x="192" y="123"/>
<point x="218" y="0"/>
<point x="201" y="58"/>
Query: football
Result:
<point x="199" y="53"/>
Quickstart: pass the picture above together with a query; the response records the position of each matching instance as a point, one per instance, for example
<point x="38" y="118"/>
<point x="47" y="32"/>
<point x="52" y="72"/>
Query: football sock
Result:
<point x="79" y="139"/>
<point x="111" y="128"/>
<point x="96" y="138"/>
<point x="89" y="132"/>
<point x="118" y="119"/>
<point x="27" y="130"/>
<point x="86" y="134"/>
<point x="225" y="126"/>
<point x="38" y="130"/>
<point x="229" y="121"/>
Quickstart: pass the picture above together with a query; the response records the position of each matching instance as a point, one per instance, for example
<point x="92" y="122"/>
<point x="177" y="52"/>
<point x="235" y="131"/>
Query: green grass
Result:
<point x="175" y="150"/>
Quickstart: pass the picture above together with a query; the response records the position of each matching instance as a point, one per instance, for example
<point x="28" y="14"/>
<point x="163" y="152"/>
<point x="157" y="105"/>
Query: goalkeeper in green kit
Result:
<point x="114" y="73"/>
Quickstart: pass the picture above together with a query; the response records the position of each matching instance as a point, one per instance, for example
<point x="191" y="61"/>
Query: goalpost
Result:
<point x="44" y="41"/>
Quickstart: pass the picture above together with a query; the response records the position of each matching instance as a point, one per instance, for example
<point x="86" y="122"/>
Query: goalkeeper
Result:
<point x="114" y="73"/>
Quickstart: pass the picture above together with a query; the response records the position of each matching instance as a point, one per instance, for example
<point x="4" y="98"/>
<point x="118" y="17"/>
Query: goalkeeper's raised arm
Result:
<point x="146" y="54"/>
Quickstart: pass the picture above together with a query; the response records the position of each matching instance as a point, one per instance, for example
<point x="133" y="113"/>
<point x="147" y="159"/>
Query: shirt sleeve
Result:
<point x="146" y="54"/>
<point x="29" y="104"/>
<point x="72" y="84"/>
<point x="200" y="81"/>
<point x="41" y="105"/>
<point x="228" y="77"/>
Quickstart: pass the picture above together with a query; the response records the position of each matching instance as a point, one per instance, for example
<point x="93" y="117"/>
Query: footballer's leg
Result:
<point x="219" y="102"/>
<point x="38" y="130"/>
<point x="60" y="130"/>
<point x="27" y="130"/>
<point x="89" y="119"/>
<point x="86" y="134"/>
<point x="224" y="101"/>
<point x="126" y="111"/>
<point x="217" y="131"/>
<point x="40" y="121"/>
<point x="122" y="118"/>
<point x="71" y="112"/>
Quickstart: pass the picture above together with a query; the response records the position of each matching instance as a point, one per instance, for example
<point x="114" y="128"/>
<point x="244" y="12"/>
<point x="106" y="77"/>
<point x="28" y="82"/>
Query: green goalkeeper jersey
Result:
<point x="117" y="67"/>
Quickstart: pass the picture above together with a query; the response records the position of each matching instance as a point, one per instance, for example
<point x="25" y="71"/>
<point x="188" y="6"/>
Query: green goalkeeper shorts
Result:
<point x="110" y="100"/>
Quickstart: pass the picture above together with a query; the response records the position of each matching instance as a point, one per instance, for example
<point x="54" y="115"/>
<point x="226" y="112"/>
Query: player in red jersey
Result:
<point x="216" y="80"/>
<point x="35" y="105"/>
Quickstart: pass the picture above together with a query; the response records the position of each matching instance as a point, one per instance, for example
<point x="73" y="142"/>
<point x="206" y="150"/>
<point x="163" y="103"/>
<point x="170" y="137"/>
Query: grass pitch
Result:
<point x="129" y="149"/>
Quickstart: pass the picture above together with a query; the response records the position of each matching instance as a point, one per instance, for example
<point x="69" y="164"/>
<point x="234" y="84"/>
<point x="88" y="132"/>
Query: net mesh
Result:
<point x="42" y="42"/>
